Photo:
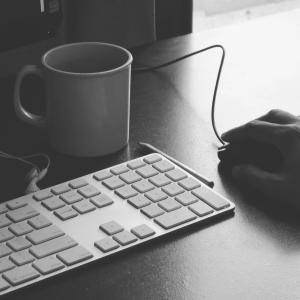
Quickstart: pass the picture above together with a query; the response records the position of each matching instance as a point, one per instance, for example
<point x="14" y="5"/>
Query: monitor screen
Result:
<point x="27" y="21"/>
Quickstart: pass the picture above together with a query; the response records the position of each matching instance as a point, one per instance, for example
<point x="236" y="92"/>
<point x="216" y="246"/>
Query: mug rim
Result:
<point x="88" y="74"/>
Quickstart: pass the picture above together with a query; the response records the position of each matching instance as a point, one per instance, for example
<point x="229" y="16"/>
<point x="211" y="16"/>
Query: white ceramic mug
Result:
<point x="88" y="97"/>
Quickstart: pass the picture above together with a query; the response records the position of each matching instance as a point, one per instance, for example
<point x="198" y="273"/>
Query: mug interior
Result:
<point x="85" y="58"/>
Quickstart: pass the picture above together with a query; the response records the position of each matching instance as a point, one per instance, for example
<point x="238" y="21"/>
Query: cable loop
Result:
<point x="213" y="106"/>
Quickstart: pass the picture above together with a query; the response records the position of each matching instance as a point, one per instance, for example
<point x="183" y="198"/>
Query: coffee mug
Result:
<point x="87" y="97"/>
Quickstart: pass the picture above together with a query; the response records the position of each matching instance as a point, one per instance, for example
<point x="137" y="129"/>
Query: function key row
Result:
<point x="87" y="190"/>
<point x="121" y="169"/>
<point x="129" y="172"/>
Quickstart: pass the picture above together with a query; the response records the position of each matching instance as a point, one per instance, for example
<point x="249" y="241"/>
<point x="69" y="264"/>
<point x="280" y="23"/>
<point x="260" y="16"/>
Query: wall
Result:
<point x="125" y="22"/>
<point x="128" y="23"/>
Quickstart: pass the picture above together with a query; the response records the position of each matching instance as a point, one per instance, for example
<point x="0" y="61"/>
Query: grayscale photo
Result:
<point x="150" y="149"/>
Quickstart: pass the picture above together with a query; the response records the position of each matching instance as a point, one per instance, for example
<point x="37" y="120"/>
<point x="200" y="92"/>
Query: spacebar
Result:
<point x="175" y="218"/>
<point x="53" y="246"/>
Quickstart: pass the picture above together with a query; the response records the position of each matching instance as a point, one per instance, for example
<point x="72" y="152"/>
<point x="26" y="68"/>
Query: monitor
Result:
<point x="23" y="22"/>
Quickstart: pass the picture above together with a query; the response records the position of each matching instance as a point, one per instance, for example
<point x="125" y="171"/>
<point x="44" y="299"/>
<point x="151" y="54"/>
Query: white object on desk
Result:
<point x="52" y="231"/>
<point x="88" y="97"/>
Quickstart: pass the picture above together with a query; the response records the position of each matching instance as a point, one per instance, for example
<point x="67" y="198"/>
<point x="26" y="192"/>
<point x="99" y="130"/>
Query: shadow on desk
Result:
<point x="279" y="223"/>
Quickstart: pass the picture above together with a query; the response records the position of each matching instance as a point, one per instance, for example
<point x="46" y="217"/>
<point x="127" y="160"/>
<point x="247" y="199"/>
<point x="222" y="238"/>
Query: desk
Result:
<point x="255" y="254"/>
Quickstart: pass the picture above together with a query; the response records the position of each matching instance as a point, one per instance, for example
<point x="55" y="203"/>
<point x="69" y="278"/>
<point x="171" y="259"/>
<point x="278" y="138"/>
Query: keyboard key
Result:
<point x="125" y="238"/>
<point x="66" y="213"/>
<point x="189" y="183"/>
<point x="169" y="204"/>
<point x="39" y="222"/>
<point x="142" y="231"/>
<point x="20" y="228"/>
<point x="156" y="195"/>
<point x="214" y="200"/>
<point x="71" y="197"/>
<point x="60" y="189"/>
<point x="111" y="227"/>
<point x="126" y="192"/>
<point x="173" y="189"/>
<point x="152" y="211"/>
<point x="175" y="218"/>
<point x="107" y="244"/>
<point x="78" y="183"/>
<point x="22" y="213"/>
<point x="6" y="264"/>
<point x="163" y="166"/>
<point x="152" y="158"/>
<point x="5" y="235"/>
<point x="17" y="203"/>
<point x="113" y="183"/>
<point x="201" y="209"/>
<point x="89" y="191"/>
<point x="160" y="180"/>
<point x="130" y="177"/>
<point x="147" y="171"/>
<point x="4" y="250"/>
<point x="45" y="234"/>
<point x="21" y="275"/>
<point x="74" y="255"/>
<point x="101" y="175"/>
<point x="52" y="246"/>
<point x="102" y="200"/>
<point x="22" y="258"/>
<point x="119" y="169"/>
<point x="135" y="164"/>
<point x="84" y="206"/>
<point x="42" y="195"/>
<point x="4" y="221"/>
<point x="139" y="201"/>
<point x="18" y="243"/>
<point x="186" y="198"/>
<point x="53" y="203"/>
<point x="3" y="284"/>
<point x="3" y="208"/>
<point x="176" y="175"/>
<point x="143" y="186"/>
<point x="48" y="265"/>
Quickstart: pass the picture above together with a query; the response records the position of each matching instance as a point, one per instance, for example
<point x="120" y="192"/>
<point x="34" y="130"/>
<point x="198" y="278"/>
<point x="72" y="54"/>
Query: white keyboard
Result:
<point x="89" y="218"/>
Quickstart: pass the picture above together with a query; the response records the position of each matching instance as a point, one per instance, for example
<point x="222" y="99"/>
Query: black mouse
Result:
<point x="263" y="155"/>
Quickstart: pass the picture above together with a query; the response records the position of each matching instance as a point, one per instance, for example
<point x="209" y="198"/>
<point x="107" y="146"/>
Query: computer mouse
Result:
<point x="262" y="155"/>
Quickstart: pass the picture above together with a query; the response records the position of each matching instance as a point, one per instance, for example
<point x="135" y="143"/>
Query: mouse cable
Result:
<point x="213" y="105"/>
<point x="36" y="174"/>
<point x="25" y="160"/>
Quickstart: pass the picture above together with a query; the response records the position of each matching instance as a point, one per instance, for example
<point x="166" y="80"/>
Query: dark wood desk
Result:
<point x="253" y="255"/>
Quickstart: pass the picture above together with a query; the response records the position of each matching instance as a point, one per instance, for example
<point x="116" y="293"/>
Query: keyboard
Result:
<point x="89" y="218"/>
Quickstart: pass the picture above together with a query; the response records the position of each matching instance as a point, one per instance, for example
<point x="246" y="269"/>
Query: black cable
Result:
<point x="146" y="69"/>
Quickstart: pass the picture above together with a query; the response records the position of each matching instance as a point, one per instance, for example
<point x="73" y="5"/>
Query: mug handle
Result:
<point x="21" y="112"/>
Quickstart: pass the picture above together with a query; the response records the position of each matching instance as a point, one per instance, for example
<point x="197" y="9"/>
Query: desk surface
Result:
<point x="255" y="254"/>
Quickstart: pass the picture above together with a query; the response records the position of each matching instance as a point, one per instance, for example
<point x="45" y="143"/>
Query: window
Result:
<point x="215" y="13"/>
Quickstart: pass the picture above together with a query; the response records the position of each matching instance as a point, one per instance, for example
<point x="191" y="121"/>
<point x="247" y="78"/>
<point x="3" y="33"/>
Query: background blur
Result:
<point x="215" y="13"/>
